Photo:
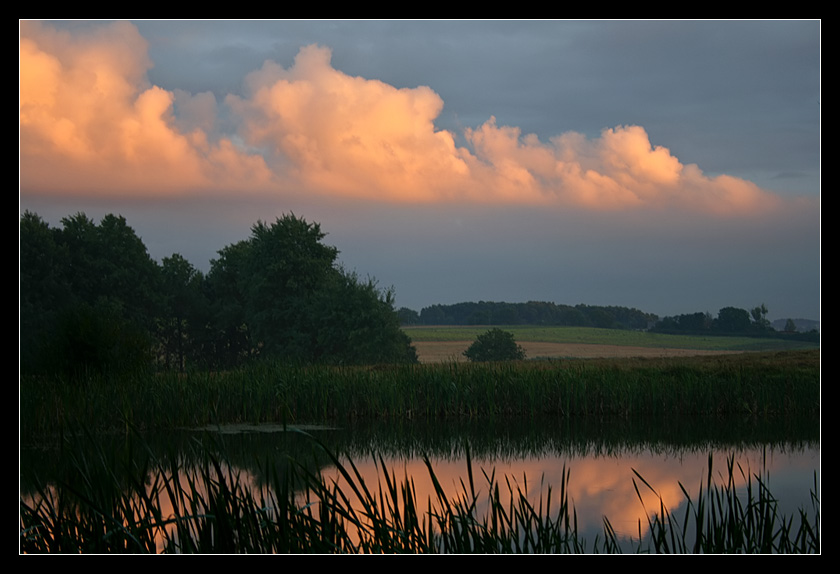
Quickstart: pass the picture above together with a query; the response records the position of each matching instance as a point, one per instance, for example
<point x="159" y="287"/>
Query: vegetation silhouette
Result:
<point x="495" y="345"/>
<point x="93" y="301"/>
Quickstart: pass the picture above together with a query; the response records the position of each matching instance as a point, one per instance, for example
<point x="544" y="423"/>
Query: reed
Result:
<point x="755" y="385"/>
<point x="724" y="521"/>
<point x="212" y="508"/>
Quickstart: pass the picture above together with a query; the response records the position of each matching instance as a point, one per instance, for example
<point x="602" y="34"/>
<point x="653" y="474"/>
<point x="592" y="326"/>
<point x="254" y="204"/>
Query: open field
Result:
<point x="444" y="351"/>
<point x="447" y="343"/>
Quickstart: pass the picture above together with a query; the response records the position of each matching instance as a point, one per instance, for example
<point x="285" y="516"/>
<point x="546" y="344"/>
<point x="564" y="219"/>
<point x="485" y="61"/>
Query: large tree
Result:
<point x="109" y="262"/>
<point x="356" y="322"/>
<point x="281" y="294"/>
<point x="287" y="264"/>
<point x="90" y="294"/>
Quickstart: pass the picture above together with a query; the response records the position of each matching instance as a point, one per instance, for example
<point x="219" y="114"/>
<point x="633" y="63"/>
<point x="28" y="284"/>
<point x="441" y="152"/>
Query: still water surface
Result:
<point x="601" y="460"/>
<point x="603" y="485"/>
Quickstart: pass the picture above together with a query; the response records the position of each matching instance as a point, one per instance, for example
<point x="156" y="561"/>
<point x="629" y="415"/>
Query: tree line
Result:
<point x="733" y="321"/>
<point x="530" y="313"/>
<point x="728" y="321"/>
<point x="93" y="300"/>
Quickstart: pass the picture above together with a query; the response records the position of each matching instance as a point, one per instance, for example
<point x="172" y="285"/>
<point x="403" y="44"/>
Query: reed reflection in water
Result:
<point x="600" y="485"/>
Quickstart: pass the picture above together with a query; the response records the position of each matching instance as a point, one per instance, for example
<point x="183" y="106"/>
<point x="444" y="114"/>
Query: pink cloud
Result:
<point x="618" y="170"/>
<point x="90" y="122"/>
<point x="348" y="135"/>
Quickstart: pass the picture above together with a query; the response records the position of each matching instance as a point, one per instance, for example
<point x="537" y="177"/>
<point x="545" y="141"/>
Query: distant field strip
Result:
<point x="447" y="343"/>
<point x="445" y="351"/>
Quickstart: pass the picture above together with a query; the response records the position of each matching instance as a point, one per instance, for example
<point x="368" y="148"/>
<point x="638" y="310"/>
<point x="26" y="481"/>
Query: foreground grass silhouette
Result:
<point x="166" y="508"/>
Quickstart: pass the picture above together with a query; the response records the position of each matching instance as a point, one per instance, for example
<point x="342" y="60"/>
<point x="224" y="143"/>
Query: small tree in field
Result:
<point x="495" y="345"/>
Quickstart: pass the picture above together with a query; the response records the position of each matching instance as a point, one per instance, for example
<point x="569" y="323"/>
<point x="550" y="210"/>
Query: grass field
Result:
<point x="441" y="343"/>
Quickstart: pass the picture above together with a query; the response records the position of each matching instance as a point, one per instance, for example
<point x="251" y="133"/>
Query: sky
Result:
<point x="670" y="166"/>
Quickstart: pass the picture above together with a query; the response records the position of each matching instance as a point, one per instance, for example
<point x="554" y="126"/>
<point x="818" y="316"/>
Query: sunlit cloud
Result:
<point x="618" y="170"/>
<point x="90" y="122"/>
<point x="349" y="135"/>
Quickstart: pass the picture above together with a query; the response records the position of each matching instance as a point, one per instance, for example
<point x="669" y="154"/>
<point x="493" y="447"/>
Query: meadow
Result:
<point x="436" y="344"/>
<point x="593" y="336"/>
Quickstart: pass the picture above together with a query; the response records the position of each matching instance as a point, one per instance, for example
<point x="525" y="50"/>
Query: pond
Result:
<point x="624" y="471"/>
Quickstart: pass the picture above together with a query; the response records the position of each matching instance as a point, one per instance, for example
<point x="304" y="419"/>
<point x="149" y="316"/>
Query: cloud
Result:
<point x="90" y="122"/>
<point x="619" y="170"/>
<point x="349" y="135"/>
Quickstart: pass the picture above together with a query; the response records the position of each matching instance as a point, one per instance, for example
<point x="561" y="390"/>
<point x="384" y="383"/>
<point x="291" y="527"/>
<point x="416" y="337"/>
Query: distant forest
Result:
<point x="729" y="320"/>
<point x="530" y="313"/>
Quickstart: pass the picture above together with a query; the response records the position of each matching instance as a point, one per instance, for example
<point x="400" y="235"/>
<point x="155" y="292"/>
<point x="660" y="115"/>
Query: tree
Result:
<point x="44" y="288"/>
<point x="408" y="316"/>
<point x="229" y="334"/>
<point x="89" y="298"/>
<point x="95" y="339"/>
<point x="759" y="316"/>
<point x="790" y="326"/>
<point x="733" y="320"/>
<point x="184" y="312"/>
<point x="281" y="294"/>
<point x="109" y="263"/>
<point x="356" y="324"/>
<point x="495" y="345"/>
<point x="286" y="263"/>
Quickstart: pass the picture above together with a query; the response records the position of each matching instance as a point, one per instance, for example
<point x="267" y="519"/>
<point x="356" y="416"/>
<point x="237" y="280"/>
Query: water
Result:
<point x="603" y="459"/>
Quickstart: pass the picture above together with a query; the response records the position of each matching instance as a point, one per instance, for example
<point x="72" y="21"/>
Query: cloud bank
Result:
<point x="91" y="123"/>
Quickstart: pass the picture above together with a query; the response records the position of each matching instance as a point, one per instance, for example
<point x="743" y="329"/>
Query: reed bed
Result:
<point x="212" y="508"/>
<point x="756" y="385"/>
